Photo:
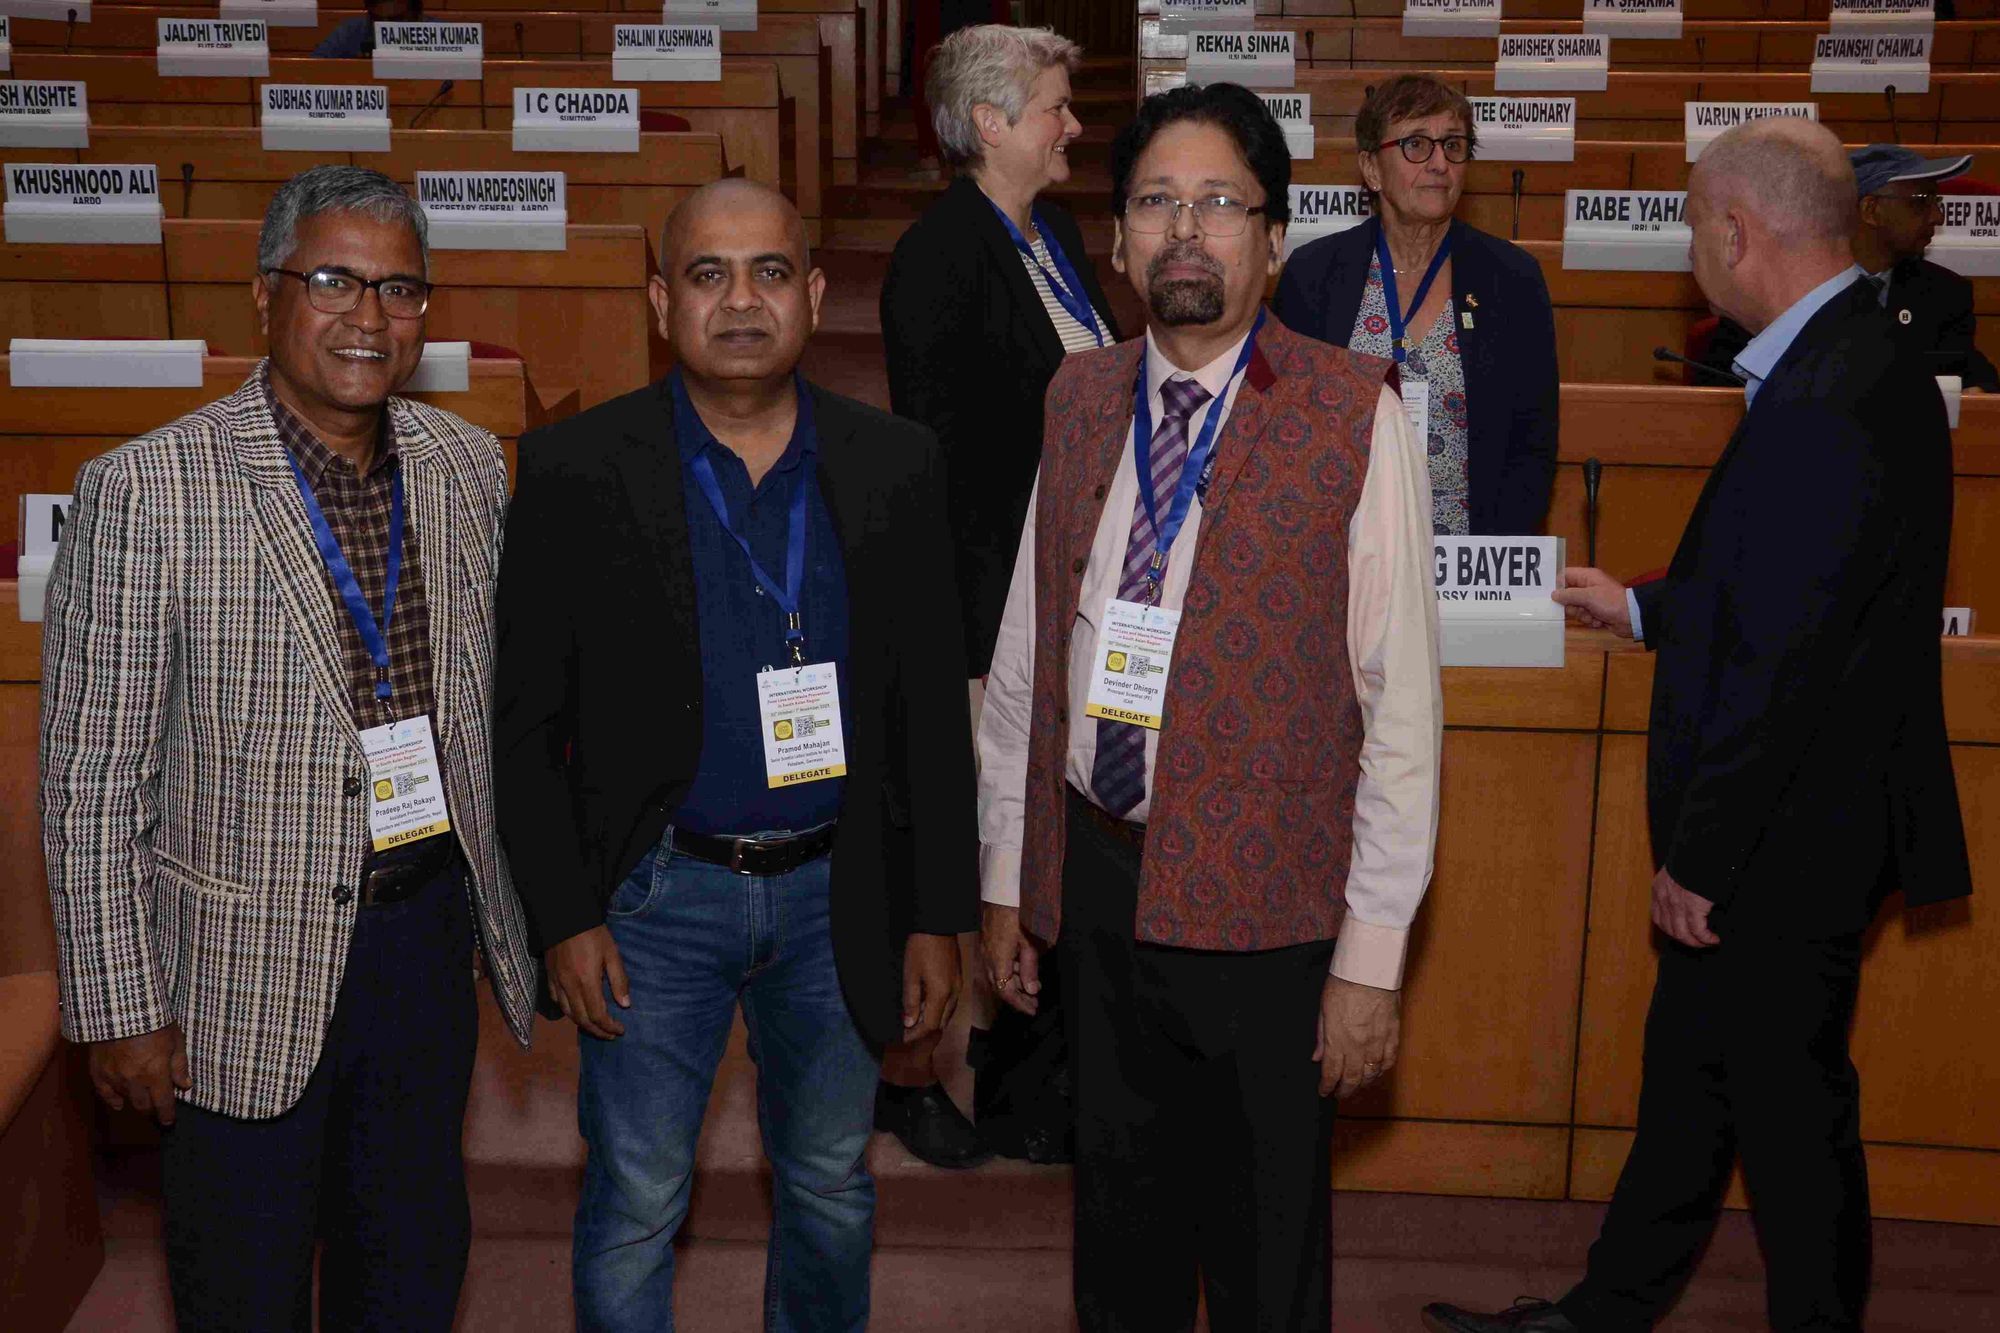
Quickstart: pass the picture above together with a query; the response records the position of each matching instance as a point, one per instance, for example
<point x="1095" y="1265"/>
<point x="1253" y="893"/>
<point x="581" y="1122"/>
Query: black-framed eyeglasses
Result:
<point x="1216" y="215"/>
<point x="1419" y="147"/>
<point x="335" y="291"/>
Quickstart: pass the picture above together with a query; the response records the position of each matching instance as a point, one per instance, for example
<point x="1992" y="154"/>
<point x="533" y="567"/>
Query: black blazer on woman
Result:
<point x="971" y="352"/>
<point x="1509" y="355"/>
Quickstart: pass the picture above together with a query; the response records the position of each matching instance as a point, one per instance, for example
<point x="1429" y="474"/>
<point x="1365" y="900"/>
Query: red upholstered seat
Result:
<point x="662" y="122"/>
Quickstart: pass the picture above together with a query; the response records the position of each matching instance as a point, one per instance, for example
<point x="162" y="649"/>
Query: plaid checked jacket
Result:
<point x="199" y="748"/>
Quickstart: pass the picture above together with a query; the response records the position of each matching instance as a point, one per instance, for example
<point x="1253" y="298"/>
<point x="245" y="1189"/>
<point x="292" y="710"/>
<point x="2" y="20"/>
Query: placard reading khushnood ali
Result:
<point x="1525" y="129"/>
<point x="37" y="113"/>
<point x="1658" y="20"/>
<point x="1968" y="240"/>
<point x="1255" y="59"/>
<point x="1642" y="231"/>
<point x="1293" y="112"/>
<point x="1869" y="62"/>
<point x="1706" y="120"/>
<point x="1322" y="210"/>
<point x="1451" y="18"/>
<point x="82" y="203"/>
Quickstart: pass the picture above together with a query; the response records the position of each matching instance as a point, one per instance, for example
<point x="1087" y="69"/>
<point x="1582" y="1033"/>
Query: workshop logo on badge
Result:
<point x="1114" y="661"/>
<point x="385" y="789"/>
<point x="782" y="729"/>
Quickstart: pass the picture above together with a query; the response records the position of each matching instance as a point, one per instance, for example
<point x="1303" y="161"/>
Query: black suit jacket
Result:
<point x="1798" y="768"/>
<point x="971" y="352"/>
<point x="598" y="688"/>
<point x="1509" y="355"/>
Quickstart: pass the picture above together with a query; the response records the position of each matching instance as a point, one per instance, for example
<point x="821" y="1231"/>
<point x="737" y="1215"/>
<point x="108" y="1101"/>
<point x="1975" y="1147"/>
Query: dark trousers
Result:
<point x="368" y="1158"/>
<point x="1203" y="1146"/>
<point x="1746" y="1053"/>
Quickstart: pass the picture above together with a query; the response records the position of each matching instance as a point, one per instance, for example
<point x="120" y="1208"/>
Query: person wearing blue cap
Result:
<point x="1900" y="205"/>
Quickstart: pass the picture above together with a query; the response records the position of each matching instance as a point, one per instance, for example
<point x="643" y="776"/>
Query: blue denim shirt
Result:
<point x="743" y="628"/>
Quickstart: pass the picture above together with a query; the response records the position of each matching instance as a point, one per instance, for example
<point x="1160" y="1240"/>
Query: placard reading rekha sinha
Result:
<point x="1706" y="120"/>
<point x="1525" y="129"/>
<point x="1651" y="19"/>
<point x="1553" y="62"/>
<point x="1322" y="210"/>
<point x="666" y="53"/>
<point x="1968" y="240"/>
<point x="1293" y="112"/>
<point x="1179" y="16"/>
<point x="82" y="203"/>
<point x="429" y="50"/>
<point x="1643" y="231"/>
<point x="42" y="113"/>
<point x="1494" y="600"/>
<point x="1451" y="18"/>
<point x="277" y="13"/>
<point x="336" y="117"/>
<point x="1255" y="59"/>
<point x="220" y="47"/>
<point x="576" y="120"/>
<point x="728" y="15"/>
<point x="494" y="210"/>
<point x="1880" y="15"/>
<point x="1868" y="62"/>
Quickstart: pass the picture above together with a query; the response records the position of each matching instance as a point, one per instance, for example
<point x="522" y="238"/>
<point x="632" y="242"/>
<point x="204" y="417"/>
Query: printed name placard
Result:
<point x="1706" y="120"/>
<point x="39" y="113"/>
<point x="339" y="117"/>
<point x="1322" y="210"/>
<point x="1868" y="62"/>
<point x="1879" y="15"/>
<point x="1553" y="62"/>
<point x="1958" y="621"/>
<point x="214" y="47"/>
<point x="277" y="13"/>
<point x="666" y="53"/>
<point x="1650" y="19"/>
<point x="105" y="363"/>
<point x="1494" y="600"/>
<point x="728" y="15"/>
<point x="429" y="50"/>
<point x="444" y="367"/>
<point x="1156" y="43"/>
<point x="6" y="43"/>
<point x="576" y="120"/>
<point x="1293" y="112"/>
<point x="1159" y="80"/>
<point x="494" y="210"/>
<point x="1179" y="16"/>
<point x="57" y="10"/>
<point x="90" y="203"/>
<point x="1968" y="240"/>
<point x="1451" y="18"/>
<point x="1525" y="129"/>
<point x="1643" y="231"/>
<point x="1255" y="59"/>
<point x="42" y="519"/>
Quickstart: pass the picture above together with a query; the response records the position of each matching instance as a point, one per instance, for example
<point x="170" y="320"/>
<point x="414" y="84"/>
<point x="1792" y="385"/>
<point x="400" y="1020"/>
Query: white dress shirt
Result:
<point x="1391" y="644"/>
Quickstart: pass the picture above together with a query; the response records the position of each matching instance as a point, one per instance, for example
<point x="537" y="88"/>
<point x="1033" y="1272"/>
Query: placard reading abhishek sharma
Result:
<point x="90" y="203"/>
<point x="1553" y="62"/>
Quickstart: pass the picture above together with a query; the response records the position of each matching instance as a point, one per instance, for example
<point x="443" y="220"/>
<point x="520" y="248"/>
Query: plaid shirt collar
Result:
<point x="315" y="459"/>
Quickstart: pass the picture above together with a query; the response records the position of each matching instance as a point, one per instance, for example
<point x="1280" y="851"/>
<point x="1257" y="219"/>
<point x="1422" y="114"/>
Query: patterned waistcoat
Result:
<point x="1251" y="823"/>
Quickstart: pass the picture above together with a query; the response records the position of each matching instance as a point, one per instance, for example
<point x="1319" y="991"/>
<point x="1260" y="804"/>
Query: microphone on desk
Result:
<point x="444" y="91"/>
<point x="1662" y="354"/>
<point x="1593" y="475"/>
<point x="187" y="187"/>
<point x="1520" y="179"/>
<point x="1895" y="130"/>
<point x="69" y="33"/>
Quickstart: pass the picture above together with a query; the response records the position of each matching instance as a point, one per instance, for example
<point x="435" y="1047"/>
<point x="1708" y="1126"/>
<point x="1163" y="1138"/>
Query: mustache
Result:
<point x="1184" y="252"/>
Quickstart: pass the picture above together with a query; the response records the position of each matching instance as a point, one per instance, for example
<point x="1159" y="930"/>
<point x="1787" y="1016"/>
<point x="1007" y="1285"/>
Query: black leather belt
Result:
<point x="1124" y="830"/>
<point x="757" y="856"/>
<point x="392" y="878"/>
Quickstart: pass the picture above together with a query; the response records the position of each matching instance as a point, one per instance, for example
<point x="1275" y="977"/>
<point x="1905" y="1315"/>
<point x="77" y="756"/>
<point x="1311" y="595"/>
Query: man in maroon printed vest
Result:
<point x="1210" y="746"/>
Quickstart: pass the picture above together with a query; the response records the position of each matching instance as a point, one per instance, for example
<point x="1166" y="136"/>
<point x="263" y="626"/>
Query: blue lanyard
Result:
<point x="1398" y="320"/>
<point x="1064" y="284"/>
<point x="1197" y="467"/>
<point x="787" y="596"/>
<point x="374" y="634"/>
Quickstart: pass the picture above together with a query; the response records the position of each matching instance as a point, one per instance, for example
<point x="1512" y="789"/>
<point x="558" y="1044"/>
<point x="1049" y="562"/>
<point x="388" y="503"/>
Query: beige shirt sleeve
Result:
<point x="1003" y="731"/>
<point x="1392" y="640"/>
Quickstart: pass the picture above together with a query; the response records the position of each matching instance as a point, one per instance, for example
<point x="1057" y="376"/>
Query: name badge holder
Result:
<point x="1064" y="284"/>
<point x="1416" y="393"/>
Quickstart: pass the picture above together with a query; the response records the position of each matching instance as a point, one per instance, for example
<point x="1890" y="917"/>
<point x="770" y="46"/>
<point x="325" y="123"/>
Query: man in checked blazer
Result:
<point x="266" y="791"/>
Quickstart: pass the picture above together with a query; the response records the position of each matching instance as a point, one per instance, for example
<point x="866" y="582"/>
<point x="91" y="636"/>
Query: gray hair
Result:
<point x="993" y="64"/>
<point x="335" y="190"/>
<point x="1791" y="173"/>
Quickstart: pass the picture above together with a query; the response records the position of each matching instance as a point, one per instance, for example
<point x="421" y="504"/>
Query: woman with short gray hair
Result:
<point x="987" y="293"/>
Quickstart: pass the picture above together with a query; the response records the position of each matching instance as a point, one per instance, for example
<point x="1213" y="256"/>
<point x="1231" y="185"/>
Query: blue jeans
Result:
<point x="696" y="939"/>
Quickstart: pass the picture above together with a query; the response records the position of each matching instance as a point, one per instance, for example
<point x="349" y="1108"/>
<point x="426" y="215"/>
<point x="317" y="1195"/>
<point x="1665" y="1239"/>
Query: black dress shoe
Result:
<point x="1528" y="1315"/>
<point x="929" y="1124"/>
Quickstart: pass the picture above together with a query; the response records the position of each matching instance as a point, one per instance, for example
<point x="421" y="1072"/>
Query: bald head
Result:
<point x="726" y="203"/>
<point x="1789" y="173"/>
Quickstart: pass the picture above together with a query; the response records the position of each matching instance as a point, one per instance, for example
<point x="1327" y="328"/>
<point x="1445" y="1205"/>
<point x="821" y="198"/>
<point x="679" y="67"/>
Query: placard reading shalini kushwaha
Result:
<point x="429" y="50"/>
<point x="1451" y="18"/>
<point x="1706" y="120"/>
<point x="89" y="203"/>
<point x="576" y="120"/>
<point x="1525" y="129"/>
<point x="1868" y="62"/>
<point x="666" y="53"/>
<point x="36" y="113"/>
<point x="1294" y="114"/>
<point x="1553" y="63"/>
<point x="313" y="117"/>
<point x="494" y="210"/>
<point x="1255" y="59"/>
<point x="214" y="47"/>
<point x="1322" y="210"/>
<point x="728" y="15"/>
<point x="1968" y="240"/>
<point x="1186" y="15"/>
<point x="1655" y="19"/>
<point x="1642" y="231"/>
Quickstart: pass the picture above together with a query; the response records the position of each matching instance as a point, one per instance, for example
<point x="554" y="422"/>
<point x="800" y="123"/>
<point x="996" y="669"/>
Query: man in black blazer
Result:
<point x="1797" y="771"/>
<point x="734" y="762"/>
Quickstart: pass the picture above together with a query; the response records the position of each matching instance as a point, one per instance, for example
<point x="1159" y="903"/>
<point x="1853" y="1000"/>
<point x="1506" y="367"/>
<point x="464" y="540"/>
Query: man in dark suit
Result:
<point x="734" y="762"/>
<point x="1797" y="770"/>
